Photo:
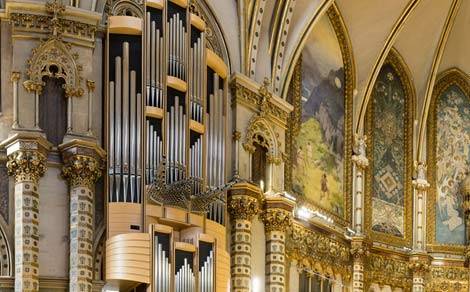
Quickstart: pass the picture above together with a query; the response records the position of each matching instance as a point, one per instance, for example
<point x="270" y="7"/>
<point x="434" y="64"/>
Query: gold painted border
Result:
<point x="397" y="62"/>
<point x="342" y="35"/>
<point x="446" y="79"/>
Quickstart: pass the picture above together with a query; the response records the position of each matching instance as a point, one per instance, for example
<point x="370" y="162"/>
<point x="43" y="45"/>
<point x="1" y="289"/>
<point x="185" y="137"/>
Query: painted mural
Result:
<point x="319" y="147"/>
<point x="453" y="160"/>
<point x="388" y="124"/>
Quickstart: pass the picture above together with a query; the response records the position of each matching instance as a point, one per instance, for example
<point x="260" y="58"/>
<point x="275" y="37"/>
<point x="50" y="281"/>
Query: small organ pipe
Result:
<point x="147" y="58"/>
<point x="132" y="129"/>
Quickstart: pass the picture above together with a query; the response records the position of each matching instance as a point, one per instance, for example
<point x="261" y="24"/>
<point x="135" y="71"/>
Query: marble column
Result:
<point x="359" y="252"/>
<point x="243" y="205"/>
<point x="419" y="262"/>
<point x="27" y="162"/>
<point x="360" y="164"/>
<point x="83" y="163"/>
<point x="277" y="219"/>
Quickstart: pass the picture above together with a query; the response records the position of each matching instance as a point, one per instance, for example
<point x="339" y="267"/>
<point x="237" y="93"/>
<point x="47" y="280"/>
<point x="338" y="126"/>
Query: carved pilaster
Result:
<point x="277" y="219"/>
<point x="243" y="205"/>
<point x="420" y="186"/>
<point x="359" y="252"/>
<point x="83" y="163"/>
<point x="360" y="164"/>
<point x="419" y="266"/>
<point x="27" y="160"/>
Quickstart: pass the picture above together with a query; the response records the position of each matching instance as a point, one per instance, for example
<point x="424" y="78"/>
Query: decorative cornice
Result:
<point x="259" y="99"/>
<point x="308" y="248"/>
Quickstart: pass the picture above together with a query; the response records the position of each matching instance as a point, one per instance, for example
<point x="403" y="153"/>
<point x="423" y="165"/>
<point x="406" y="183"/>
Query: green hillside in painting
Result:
<point x="313" y="159"/>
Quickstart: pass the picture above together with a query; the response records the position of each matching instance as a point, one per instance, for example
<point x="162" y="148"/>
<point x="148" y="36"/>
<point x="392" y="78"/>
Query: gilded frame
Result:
<point x="395" y="60"/>
<point x="293" y="127"/>
<point x="446" y="79"/>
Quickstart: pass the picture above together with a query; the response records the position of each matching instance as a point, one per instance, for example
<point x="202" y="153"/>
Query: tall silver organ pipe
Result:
<point x="154" y="149"/>
<point x="162" y="268"/>
<point x="206" y="274"/>
<point x="177" y="46"/>
<point x="197" y="82"/>
<point x="125" y="131"/>
<point x="155" y="71"/>
<point x="185" y="280"/>
<point x="195" y="171"/>
<point x="176" y="141"/>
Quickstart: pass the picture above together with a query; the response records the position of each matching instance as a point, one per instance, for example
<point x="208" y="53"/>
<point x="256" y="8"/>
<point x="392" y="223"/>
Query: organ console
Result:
<point x="166" y="97"/>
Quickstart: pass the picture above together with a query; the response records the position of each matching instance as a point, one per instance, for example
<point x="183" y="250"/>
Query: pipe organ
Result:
<point x="167" y="102"/>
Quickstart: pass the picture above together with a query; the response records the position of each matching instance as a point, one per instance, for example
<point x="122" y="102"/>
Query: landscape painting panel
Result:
<point x="319" y="147"/>
<point x="452" y="156"/>
<point x="388" y="124"/>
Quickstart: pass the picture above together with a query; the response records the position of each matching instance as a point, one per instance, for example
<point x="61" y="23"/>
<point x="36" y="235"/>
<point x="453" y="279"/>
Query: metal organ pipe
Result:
<point x="124" y="120"/>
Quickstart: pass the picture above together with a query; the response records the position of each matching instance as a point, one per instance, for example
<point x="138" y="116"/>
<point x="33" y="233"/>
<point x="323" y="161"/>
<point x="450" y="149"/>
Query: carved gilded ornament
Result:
<point x="385" y="270"/>
<point x="26" y="165"/>
<point x="359" y="157"/>
<point x="125" y="7"/>
<point x="15" y="76"/>
<point x="447" y="278"/>
<point x="359" y="249"/>
<point x="242" y="207"/>
<point x="420" y="183"/>
<point x="53" y="59"/>
<point x="276" y="219"/>
<point x="82" y="170"/>
<point x="310" y="248"/>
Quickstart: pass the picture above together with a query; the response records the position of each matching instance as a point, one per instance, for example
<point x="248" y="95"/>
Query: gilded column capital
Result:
<point x="244" y="201"/>
<point x="33" y="87"/>
<point x="26" y="156"/>
<point x="15" y="76"/>
<point x="277" y="213"/>
<point x="83" y="162"/>
<point x="359" y="247"/>
<point x="419" y="265"/>
<point x="236" y="135"/>
<point x="90" y="85"/>
<point x="276" y="219"/>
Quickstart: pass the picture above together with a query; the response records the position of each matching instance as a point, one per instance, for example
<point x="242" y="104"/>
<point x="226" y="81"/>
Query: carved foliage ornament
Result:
<point x="448" y="279"/>
<point x="276" y="219"/>
<point x="242" y="207"/>
<point x="26" y="165"/>
<point x="82" y="170"/>
<point x="388" y="271"/>
<point x="309" y="248"/>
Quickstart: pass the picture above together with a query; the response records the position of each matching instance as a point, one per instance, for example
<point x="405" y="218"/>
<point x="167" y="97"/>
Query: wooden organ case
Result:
<point x="167" y="101"/>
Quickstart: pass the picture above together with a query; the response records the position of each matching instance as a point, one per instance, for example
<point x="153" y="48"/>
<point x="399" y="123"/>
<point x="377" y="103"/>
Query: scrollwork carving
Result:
<point x="386" y="270"/>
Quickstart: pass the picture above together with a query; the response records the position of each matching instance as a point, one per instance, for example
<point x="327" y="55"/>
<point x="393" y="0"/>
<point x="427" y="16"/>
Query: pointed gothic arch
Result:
<point x="388" y="183"/>
<point x="53" y="58"/>
<point x="448" y="81"/>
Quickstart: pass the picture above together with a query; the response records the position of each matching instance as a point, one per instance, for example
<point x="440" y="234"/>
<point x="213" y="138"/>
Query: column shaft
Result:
<point x="241" y="255"/>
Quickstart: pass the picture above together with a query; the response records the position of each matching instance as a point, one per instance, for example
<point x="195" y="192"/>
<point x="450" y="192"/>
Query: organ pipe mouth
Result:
<point x="122" y="24"/>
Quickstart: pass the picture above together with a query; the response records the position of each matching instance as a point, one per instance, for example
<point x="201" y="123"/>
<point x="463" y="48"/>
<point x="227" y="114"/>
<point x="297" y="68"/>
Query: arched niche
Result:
<point x="389" y="128"/>
<point x="448" y="152"/>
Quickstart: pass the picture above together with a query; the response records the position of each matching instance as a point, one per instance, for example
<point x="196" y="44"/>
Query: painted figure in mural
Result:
<point x="319" y="147"/>
<point x="324" y="186"/>
<point x="453" y="160"/>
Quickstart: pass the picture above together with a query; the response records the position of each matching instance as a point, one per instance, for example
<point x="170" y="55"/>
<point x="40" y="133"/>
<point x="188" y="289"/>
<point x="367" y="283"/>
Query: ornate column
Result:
<point x="359" y="252"/>
<point x="36" y="89"/>
<point x="91" y="88"/>
<point x="243" y="205"/>
<point x="419" y="261"/>
<point x="360" y="164"/>
<point x="277" y="218"/>
<point x="419" y="265"/>
<point x="15" y="77"/>
<point x="83" y="162"/>
<point x="27" y="159"/>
